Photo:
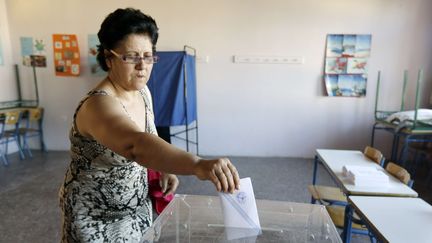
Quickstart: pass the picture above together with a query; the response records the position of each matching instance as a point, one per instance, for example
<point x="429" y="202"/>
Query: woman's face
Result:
<point x="131" y="76"/>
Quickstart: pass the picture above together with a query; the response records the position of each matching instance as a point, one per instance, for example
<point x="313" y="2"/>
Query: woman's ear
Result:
<point x="108" y="62"/>
<point x="107" y="55"/>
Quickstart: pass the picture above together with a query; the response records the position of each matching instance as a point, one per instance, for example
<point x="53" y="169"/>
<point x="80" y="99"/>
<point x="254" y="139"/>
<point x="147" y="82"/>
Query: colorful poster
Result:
<point x="1" y="54"/>
<point x="346" y="64"/>
<point x="95" y="69"/>
<point x="66" y="55"/>
<point x="33" y="52"/>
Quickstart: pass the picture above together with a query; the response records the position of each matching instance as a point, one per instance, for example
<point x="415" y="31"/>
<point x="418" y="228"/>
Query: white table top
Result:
<point x="396" y="219"/>
<point x="334" y="160"/>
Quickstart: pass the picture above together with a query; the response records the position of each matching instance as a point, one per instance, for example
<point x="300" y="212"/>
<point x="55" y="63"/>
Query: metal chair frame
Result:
<point x="11" y="119"/>
<point x="34" y="117"/>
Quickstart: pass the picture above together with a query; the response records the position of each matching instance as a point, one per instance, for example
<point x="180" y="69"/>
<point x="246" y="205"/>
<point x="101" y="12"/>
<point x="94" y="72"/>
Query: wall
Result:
<point x="8" y="90"/>
<point x="250" y="109"/>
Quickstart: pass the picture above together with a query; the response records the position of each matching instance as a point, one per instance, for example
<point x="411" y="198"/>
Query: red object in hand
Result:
<point x="159" y="200"/>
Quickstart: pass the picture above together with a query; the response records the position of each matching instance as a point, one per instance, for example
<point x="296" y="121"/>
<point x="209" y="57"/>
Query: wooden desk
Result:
<point x="12" y="104"/>
<point x="334" y="160"/>
<point x="395" y="219"/>
<point x="13" y="109"/>
<point x="420" y="133"/>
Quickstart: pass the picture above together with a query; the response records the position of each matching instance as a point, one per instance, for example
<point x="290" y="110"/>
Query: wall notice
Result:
<point x="66" y="55"/>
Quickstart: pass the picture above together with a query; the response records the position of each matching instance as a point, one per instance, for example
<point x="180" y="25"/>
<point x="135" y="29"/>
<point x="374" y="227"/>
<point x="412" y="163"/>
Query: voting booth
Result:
<point x="173" y="88"/>
<point x="193" y="218"/>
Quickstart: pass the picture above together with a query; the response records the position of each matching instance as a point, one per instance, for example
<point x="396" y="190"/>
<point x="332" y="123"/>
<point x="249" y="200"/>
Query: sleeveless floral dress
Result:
<point x="104" y="197"/>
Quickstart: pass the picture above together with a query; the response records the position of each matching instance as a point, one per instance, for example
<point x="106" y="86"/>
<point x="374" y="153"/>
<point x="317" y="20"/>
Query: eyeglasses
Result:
<point x="135" y="59"/>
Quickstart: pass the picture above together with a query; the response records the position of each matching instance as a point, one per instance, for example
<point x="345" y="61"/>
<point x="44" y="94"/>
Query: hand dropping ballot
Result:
<point x="240" y="212"/>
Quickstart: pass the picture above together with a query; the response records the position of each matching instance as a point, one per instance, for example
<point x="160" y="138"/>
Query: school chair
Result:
<point x="328" y="195"/>
<point x="33" y="128"/>
<point x="9" y="132"/>
<point x="337" y="212"/>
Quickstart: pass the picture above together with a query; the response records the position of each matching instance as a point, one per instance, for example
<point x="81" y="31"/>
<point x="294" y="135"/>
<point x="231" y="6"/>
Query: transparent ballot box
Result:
<point x="192" y="218"/>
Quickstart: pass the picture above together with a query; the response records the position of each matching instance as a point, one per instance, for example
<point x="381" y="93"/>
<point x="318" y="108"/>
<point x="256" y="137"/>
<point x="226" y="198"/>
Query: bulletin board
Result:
<point x="66" y="55"/>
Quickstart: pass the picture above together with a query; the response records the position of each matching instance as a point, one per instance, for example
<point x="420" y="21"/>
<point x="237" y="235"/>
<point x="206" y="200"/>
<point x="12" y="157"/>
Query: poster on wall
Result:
<point x="26" y="50"/>
<point x="33" y="52"/>
<point x="345" y="72"/>
<point x="95" y="69"/>
<point x="66" y="55"/>
<point x="1" y="54"/>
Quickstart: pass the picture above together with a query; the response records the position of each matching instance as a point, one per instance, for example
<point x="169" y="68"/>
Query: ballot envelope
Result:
<point x="240" y="212"/>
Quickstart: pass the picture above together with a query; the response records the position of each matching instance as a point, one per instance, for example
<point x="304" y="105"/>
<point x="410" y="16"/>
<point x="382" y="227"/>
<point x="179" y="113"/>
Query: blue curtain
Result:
<point x="166" y="84"/>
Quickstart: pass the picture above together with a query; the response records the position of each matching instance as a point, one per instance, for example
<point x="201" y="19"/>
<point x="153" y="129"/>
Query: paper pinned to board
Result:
<point x="240" y="212"/>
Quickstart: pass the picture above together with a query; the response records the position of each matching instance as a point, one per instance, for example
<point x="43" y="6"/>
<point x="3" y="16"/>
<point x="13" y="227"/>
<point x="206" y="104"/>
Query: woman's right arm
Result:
<point x="104" y="119"/>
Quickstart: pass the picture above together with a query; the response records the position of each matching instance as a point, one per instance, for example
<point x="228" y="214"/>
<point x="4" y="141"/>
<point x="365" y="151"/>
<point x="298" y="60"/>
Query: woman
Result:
<point x="104" y="197"/>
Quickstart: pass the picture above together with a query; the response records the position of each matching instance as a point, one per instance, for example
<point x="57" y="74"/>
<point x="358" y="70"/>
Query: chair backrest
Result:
<point x="399" y="172"/>
<point x="12" y="117"/>
<point x="35" y="114"/>
<point x="374" y="154"/>
<point x="34" y="118"/>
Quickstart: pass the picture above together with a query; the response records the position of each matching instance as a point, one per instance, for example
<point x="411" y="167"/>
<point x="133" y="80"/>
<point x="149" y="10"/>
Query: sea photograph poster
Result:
<point x="345" y="71"/>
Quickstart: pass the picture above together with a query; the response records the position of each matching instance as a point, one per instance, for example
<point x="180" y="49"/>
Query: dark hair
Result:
<point x="121" y="23"/>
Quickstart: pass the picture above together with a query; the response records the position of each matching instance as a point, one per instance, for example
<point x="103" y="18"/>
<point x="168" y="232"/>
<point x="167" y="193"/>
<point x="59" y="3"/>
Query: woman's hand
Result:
<point x="221" y="172"/>
<point x="168" y="183"/>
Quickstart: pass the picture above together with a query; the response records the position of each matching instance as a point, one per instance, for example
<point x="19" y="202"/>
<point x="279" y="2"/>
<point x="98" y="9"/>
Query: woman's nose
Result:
<point x="140" y="65"/>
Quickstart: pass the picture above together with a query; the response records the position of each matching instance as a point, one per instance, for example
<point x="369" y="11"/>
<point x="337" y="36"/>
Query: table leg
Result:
<point x="395" y="147"/>
<point x="314" y="177"/>
<point x="373" y="134"/>
<point x="404" y="152"/>
<point x="315" y="170"/>
<point x="346" y="234"/>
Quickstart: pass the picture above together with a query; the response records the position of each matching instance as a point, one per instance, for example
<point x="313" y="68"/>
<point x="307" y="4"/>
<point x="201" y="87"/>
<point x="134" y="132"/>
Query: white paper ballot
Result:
<point x="240" y="212"/>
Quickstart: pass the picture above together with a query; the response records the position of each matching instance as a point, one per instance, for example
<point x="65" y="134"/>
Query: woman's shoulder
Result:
<point x="98" y="110"/>
<point x="100" y="101"/>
